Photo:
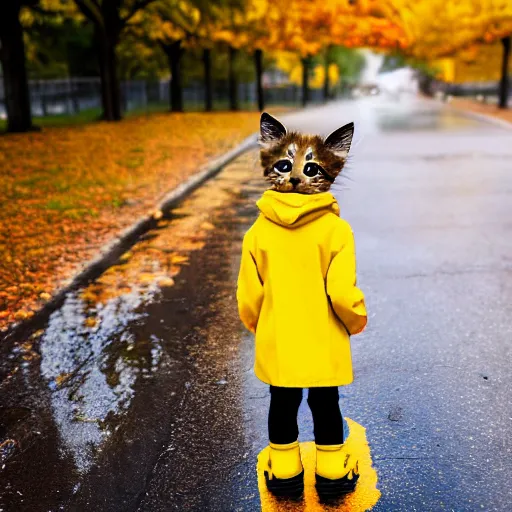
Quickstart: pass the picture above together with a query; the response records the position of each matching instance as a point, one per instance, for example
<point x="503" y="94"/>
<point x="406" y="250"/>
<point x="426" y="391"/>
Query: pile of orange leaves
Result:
<point x="65" y="192"/>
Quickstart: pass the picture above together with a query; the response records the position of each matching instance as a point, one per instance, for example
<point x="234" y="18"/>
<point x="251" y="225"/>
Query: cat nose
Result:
<point x="294" y="181"/>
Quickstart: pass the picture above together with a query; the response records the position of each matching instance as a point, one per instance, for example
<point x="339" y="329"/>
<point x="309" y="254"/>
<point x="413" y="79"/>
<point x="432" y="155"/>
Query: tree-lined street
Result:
<point x="104" y="36"/>
<point x="138" y="393"/>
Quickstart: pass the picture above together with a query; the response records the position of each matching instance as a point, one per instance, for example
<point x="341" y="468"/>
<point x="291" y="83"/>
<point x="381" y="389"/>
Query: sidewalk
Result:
<point x="482" y="108"/>
<point x="65" y="192"/>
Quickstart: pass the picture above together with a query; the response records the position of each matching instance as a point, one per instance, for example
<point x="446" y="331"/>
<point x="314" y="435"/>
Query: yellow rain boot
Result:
<point x="337" y="471"/>
<point x="285" y="474"/>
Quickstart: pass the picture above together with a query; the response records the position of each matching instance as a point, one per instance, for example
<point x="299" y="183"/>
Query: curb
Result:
<point x="125" y="239"/>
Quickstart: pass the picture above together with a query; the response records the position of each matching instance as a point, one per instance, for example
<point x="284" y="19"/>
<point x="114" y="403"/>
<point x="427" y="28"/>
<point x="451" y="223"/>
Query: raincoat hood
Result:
<point x="290" y="210"/>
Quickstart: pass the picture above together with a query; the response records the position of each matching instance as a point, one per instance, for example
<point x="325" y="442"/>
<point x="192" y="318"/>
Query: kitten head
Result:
<point x="306" y="164"/>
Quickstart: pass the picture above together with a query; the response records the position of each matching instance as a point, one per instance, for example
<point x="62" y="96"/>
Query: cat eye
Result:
<point x="283" y="166"/>
<point x="311" y="170"/>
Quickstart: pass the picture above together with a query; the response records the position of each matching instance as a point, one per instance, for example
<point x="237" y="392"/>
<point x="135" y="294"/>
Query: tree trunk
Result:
<point x="12" y="53"/>
<point x="504" y="82"/>
<point x="327" y="87"/>
<point x="233" y="83"/>
<point x="174" y="52"/>
<point x="258" y="61"/>
<point x="110" y="88"/>
<point x="208" y="82"/>
<point x="305" y="80"/>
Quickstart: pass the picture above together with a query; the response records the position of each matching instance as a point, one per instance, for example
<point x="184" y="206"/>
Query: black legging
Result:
<point x="284" y="406"/>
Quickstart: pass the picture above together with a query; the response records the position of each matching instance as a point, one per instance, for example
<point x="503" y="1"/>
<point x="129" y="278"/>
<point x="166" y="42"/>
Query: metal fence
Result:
<point x="488" y="90"/>
<point x="75" y="95"/>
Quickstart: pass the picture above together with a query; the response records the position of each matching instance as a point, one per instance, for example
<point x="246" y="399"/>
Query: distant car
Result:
<point x="365" y="90"/>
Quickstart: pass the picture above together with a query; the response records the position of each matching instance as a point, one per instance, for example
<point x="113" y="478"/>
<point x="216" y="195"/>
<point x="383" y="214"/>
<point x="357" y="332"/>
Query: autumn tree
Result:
<point x="227" y="30"/>
<point x="349" y="63"/>
<point x="12" y="56"/>
<point x="302" y="30"/>
<point x="212" y="21"/>
<point x="259" y="23"/>
<point x="47" y="30"/>
<point x="243" y="25"/>
<point x="480" y="63"/>
<point x="308" y="28"/>
<point x="175" y="25"/>
<point x="58" y="44"/>
<point x="109" y="19"/>
<point x="359" y="24"/>
<point x="440" y="28"/>
<point x="170" y="24"/>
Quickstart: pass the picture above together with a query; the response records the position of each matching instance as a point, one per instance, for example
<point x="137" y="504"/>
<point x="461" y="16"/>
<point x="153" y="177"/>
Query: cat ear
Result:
<point x="271" y="130"/>
<point x="339" y="140"/>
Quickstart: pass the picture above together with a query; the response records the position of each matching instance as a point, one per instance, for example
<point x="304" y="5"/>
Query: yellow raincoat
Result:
<point x="297" y="291"/>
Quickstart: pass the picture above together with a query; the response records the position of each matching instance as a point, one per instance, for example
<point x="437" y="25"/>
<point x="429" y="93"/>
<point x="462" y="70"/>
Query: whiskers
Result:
<point x="344" y="178"/>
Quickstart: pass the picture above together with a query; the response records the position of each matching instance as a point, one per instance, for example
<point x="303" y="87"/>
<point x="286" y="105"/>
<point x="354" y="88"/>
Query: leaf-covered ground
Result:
<point x="483" y="108"/>
<point x="65" y="192"/>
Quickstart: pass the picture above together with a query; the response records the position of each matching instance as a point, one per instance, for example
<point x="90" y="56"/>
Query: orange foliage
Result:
<point x="67" y="191"/>
<point x="478" y="63"/>
<point x="308" y="26"/>
<point x="442" y="28"/>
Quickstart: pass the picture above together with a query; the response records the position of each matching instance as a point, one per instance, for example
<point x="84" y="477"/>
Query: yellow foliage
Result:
<point x="58" y="9"/>
<point x="446" y="69"/>
<point x="308" y="26"/>
<point x="290" y="63"/>
<point x="334" y="73"/>
<point x="441" y="28"/>
<point x="425" y="29"/>
<point x="168" y="22"/>
<point x="286" y="61"/>
<point x="318" y="76"/>
<point x="296" y="75"/>
<point x="481" y="64"/>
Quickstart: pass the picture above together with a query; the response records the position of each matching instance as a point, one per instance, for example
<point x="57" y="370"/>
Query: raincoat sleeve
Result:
<point x="346" y="298"/>
<point x="250" y="287"/>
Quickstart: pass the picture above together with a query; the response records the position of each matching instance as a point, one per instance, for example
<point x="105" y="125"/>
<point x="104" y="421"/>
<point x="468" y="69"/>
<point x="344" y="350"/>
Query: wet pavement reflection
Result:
<point x="138" y="392"/>
<point x="91" y="359"/>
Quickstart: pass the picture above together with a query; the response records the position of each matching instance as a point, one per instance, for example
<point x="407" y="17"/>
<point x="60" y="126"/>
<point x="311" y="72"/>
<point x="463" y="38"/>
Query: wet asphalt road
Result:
<point x="138" y="393"/>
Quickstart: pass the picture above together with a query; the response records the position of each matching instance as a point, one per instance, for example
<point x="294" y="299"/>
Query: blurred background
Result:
<point x="78" y="60"/>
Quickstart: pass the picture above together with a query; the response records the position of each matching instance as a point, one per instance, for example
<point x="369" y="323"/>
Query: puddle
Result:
<point x="90" y="358"/>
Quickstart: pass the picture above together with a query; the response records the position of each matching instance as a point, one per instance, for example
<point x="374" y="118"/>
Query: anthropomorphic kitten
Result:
<point x="305" y="164"/>
<point x="297" y="292"/>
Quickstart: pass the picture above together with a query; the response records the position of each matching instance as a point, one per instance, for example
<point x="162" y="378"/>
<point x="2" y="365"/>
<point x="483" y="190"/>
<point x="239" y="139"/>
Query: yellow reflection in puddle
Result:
<point x="363" y="498"/>
<point x="161" y="253"/>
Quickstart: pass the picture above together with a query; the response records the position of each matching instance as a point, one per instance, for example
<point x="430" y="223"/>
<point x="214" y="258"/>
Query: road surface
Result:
<point x="138" y="393"/>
